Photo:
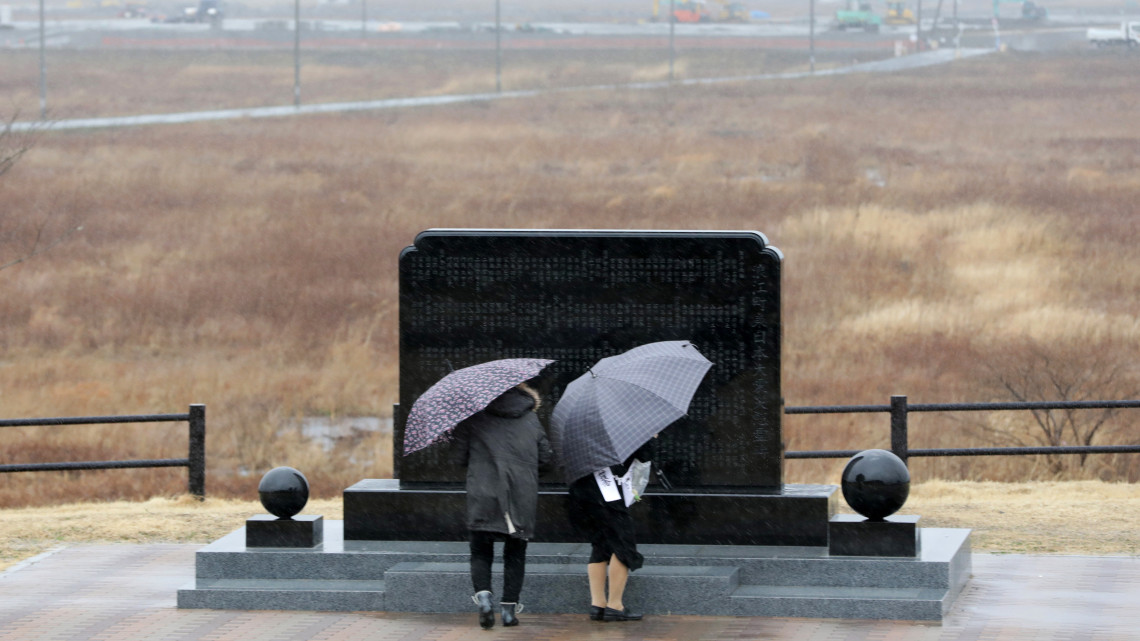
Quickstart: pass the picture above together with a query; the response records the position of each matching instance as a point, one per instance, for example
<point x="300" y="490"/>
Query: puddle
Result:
<point x="329" y="432"/>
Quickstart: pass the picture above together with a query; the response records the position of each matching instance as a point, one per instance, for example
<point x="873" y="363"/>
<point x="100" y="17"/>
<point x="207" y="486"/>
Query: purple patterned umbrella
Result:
<point x="462" y="394"/>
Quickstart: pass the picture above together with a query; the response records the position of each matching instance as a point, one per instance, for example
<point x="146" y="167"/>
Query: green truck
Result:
<point x="858" y="15"/>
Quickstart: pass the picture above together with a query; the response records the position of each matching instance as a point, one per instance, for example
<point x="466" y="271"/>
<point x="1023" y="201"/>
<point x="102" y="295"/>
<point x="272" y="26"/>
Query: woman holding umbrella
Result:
<point x="503" y="447"/>
<point x="607" y="525"/>
<point x="605" y="418"/>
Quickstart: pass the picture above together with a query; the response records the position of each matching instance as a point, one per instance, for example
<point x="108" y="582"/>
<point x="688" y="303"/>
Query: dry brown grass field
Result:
<point x="960" y="233"/>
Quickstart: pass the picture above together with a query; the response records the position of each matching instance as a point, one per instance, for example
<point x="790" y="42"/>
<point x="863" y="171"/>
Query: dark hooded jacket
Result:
<point x="503" y="447"/>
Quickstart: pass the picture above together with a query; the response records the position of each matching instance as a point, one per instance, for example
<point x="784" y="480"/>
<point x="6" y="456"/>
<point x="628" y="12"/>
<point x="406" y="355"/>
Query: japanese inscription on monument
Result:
<point x="468" y="296"/>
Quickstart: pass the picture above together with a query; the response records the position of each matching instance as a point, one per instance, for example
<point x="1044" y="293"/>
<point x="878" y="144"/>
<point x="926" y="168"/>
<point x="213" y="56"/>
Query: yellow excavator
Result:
<point x="898" y="14"/>
<point x="731" y="12"/>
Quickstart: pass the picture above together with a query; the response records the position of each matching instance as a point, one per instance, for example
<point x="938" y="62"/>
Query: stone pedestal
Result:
<point x="387" y="510"/>
<point x="854" y="535"/>
<point x="435" y="576"/>
<point x="268" y="531"/>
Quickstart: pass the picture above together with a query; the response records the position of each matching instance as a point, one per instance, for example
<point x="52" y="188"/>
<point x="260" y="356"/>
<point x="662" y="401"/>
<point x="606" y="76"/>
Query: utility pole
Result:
<point x="498" y="48"/>
<point x="43" y="67"/>
<point x="296" y="53"/>
<point x="811" y="35"/>
<point x="957" y="33"/>
<point x="918" y="28"/>
<point x="672" y="28"/>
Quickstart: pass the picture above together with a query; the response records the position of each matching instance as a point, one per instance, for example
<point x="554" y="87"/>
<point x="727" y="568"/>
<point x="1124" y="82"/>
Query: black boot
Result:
<point x="486" y="609"/>
<point x="509" y="610"/>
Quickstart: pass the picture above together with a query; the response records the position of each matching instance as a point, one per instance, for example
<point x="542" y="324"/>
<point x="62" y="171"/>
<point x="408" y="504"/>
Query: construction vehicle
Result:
<point x="898" y="14"/>
<point x="134" y="10"/>
<point x="1127" y="34"/>
<point x="858" y="15"/>
<point x="698" y="11"/>
<point x="1030" y="11"/>
<point x="686" y="11"/>
<point x="206" y="11"/>
<point x="731" y="12"/>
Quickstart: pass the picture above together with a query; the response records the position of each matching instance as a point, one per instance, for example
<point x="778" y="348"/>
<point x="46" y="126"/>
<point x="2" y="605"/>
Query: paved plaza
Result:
<point x="127" y="593"/>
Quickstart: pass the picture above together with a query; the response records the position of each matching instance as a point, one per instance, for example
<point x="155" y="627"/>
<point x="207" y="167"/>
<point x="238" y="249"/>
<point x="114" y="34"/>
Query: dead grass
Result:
<point x="927" y="218"/>
<point x="1087" y="517"/>
<point x="183" y="519"/>
<point x="1082" y="517"/>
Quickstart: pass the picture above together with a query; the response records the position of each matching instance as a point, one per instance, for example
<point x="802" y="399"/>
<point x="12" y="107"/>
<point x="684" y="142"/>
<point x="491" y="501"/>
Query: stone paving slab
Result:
<point x="128" y="592"/>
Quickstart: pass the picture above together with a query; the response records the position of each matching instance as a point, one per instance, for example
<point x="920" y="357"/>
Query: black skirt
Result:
<point x="607" y="525"/>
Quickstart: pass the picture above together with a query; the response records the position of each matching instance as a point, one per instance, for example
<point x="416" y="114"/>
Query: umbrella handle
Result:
<point x="662" y="479"/>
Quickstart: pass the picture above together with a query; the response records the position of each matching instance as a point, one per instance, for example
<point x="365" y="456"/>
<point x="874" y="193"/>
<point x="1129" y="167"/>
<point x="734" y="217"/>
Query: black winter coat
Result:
<point x="503" y="447"/>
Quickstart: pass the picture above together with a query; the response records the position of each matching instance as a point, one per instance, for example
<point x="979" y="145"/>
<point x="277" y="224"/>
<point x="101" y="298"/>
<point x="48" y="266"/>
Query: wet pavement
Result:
<point x="127" y="593"/>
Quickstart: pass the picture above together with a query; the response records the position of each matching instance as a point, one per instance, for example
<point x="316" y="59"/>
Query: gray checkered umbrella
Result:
<point x="613" y="409"/>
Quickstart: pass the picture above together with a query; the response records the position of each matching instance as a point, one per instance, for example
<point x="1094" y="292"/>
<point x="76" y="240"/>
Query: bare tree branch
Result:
<point x="12" y="148"/>
<point x="36" y="251"/>
<point x="1027" y="370"/>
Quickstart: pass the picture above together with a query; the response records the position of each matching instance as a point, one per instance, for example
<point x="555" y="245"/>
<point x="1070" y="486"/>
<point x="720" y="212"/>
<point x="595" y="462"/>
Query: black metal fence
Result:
<point x="195" y="461"/>
<point x="899" y="410"/>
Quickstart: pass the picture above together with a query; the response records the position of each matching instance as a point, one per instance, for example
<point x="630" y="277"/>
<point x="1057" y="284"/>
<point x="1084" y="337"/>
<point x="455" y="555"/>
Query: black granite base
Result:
<point x="382" y="510"/>
<point x="268" y="531"/>
<point x="854" y="535"/>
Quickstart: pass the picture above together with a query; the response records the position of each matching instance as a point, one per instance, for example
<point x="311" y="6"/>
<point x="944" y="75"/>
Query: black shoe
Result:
<point x="486" y="611"/>
<point x="611" y="614"/>
<point x="597" y="613"/>
<point x="508" y="612"/>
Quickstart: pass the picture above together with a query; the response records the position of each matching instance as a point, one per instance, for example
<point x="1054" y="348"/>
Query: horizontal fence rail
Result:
<point x="899" y="409"/>
<point x="195" y="461"/>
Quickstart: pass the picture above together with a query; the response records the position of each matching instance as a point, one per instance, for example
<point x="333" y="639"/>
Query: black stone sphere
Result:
<point x="283" y="491"/>
<point x="875" y="483"/>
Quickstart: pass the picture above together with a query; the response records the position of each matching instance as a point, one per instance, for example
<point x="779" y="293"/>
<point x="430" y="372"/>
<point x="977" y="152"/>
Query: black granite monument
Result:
<point x="469" y="296"/>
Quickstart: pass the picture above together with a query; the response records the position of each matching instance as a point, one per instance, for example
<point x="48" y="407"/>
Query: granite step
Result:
<point x="943" y="560"/>
<point x="446" y="587"/>
<point x="562" y="588"/>
<point x="916" y="604"/>
<point x="283" y="594"/>
<point x="426" y="576"/>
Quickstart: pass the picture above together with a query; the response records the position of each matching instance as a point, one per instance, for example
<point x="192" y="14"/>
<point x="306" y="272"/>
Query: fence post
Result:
<point x="898" y="427"/>
<point x="197" y="455"/>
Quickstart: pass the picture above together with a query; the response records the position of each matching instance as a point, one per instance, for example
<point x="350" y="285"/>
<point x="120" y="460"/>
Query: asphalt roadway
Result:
<point x="128" y="593"/>
<point x="62" y="31"/>
<point x="915" y="61"/>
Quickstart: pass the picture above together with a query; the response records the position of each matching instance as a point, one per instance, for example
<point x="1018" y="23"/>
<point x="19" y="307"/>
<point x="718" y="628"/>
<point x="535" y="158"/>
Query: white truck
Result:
<point x="1128" y="33"/>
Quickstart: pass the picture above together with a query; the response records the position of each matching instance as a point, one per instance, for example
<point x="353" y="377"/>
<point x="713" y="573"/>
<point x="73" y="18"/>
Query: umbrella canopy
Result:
<point x="613" y="409"/>
<point x="462" y="394"/>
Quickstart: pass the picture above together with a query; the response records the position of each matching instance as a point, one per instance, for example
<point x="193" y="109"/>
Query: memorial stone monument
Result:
<point x="736" y="540"/>
<point x="469" y="296"/>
